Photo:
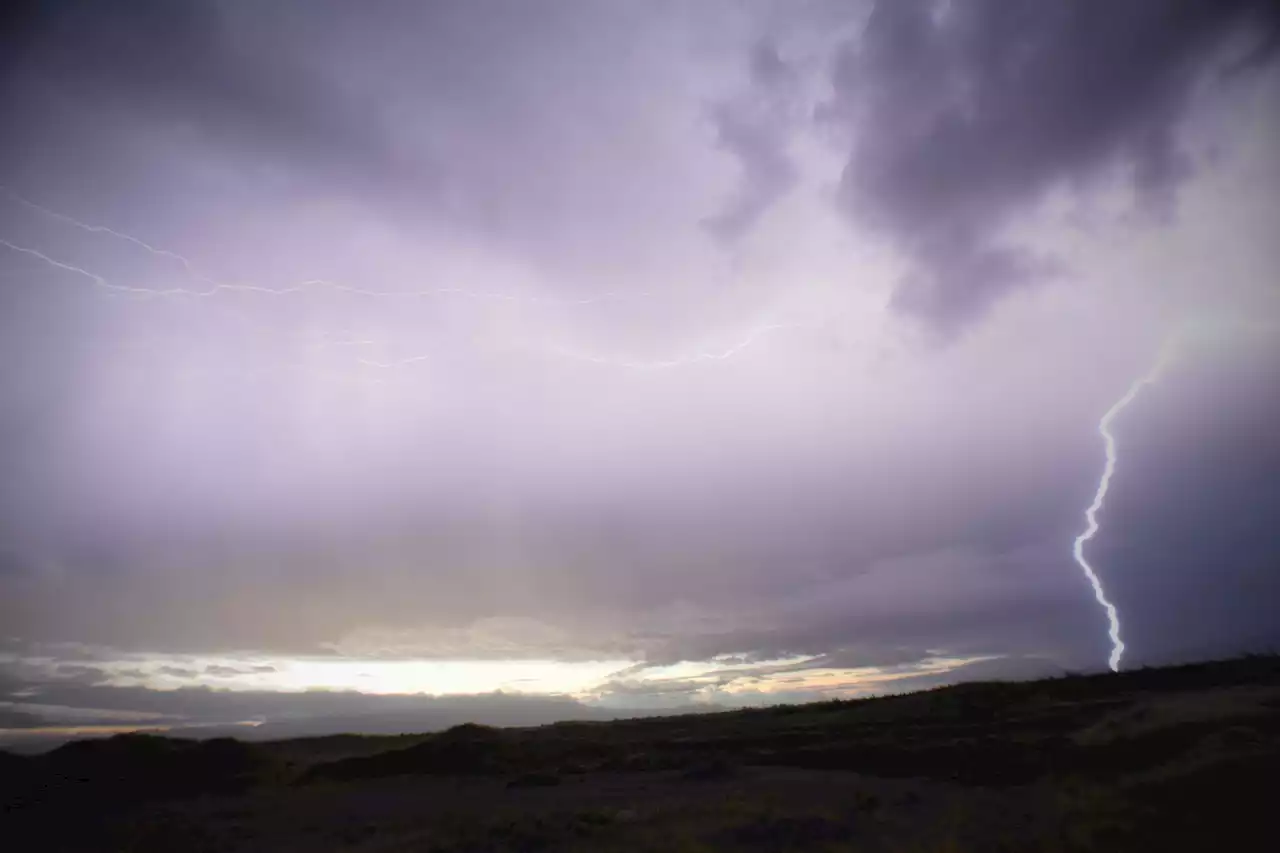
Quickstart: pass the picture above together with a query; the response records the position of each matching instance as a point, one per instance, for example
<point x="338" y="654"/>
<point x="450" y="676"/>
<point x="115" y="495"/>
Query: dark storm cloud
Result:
<point x="767" y="173"/>
<point x="767" y="66"/>
<point x="967" y="113"/>
<point x="234" y="83"/>
<point x="753" y="129"/>
<point x="533" y="127"/>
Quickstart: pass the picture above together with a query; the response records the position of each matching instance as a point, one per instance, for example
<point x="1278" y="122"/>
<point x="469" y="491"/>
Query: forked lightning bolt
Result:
<point x="1091" y="514"/>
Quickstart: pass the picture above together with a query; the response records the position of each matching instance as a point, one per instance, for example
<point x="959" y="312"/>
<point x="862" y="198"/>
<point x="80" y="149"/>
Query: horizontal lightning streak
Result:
<point x="215" y="287"/>
<point x="751" y="339"/>
<point x="391" y="365"/>
<point x="702" y="356"/>
<point x="62" y="265"/>
<point x="103" y="229"/>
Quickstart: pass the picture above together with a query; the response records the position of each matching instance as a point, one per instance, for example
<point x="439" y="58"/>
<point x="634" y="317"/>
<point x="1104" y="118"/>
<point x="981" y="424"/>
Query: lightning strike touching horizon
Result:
<point x="1091" y="514"/>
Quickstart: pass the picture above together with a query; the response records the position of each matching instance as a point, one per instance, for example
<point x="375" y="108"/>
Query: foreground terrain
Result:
<point x="1166" y="759"/>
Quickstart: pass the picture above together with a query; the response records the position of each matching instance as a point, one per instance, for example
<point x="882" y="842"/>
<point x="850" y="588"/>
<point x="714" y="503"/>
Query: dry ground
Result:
<point x="1162" y="759"/>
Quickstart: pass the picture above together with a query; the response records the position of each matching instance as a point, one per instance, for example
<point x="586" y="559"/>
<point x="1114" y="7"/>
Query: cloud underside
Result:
<point x="967" y="114"/>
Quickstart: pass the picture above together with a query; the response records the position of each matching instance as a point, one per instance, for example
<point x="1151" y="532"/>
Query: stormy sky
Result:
<point x="579" y="355"/>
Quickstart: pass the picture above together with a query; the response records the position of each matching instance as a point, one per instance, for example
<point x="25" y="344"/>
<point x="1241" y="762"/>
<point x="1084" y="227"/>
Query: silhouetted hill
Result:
<point x="1179" y="755"/>
<point x="96" y="780"/>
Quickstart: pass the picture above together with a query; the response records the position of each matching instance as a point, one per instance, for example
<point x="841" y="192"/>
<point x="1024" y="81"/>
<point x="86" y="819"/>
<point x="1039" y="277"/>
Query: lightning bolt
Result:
<point x="62" y="265"/>
<point x="103" y="229"/>
<point x="751" y="338"/>
<point x="1091" y="514"/>
<point x="215" y="287"/>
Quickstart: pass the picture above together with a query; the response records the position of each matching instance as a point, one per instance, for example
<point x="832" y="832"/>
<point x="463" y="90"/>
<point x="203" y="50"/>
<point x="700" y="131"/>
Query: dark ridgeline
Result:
<point x="1173" y="757"/>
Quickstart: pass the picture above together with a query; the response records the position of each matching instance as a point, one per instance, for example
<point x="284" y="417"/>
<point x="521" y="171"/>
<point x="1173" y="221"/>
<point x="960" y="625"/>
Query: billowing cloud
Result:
<point x="754" y="128"/>
<point x="968" y="115"/>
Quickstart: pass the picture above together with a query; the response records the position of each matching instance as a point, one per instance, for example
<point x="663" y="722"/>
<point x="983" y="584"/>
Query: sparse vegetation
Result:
<point x="1171" y="759"/>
